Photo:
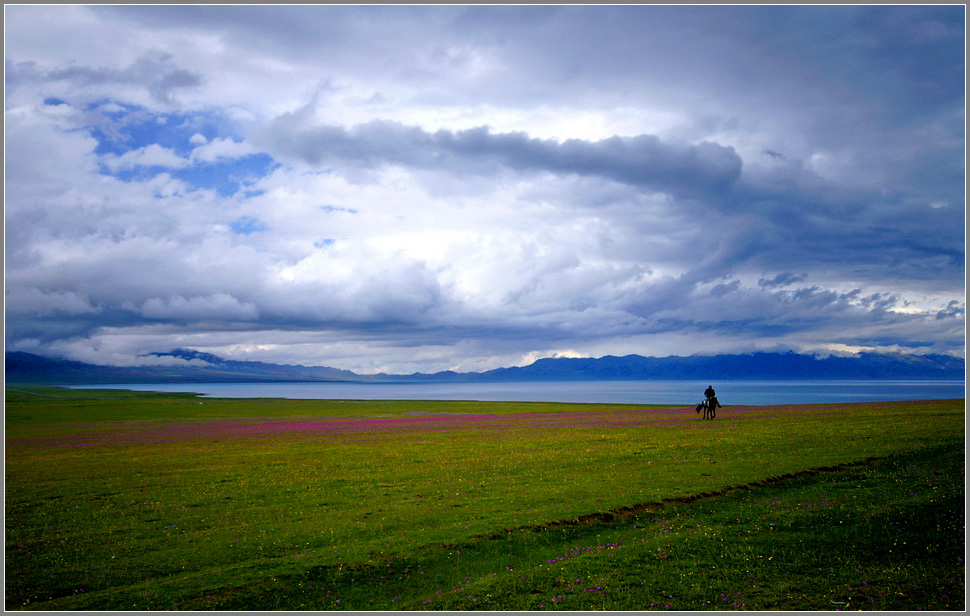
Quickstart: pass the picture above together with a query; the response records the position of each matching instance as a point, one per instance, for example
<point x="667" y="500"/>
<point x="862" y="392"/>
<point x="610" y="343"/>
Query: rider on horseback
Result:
<point x="712" y="402"/>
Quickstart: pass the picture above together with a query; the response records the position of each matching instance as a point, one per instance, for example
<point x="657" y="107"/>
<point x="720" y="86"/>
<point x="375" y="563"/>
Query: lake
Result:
<point x="623" y="392"/>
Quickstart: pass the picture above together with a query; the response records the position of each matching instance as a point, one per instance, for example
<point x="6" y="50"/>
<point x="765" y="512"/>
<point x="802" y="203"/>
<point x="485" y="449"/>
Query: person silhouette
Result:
<point x="712" y="402"/>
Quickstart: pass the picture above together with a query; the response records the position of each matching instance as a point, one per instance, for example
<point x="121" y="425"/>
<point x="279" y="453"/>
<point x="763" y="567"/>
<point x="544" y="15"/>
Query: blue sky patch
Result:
<point x="228" y="176"/>
<point x="247" y="225"/>
<point x="121" y="128"/>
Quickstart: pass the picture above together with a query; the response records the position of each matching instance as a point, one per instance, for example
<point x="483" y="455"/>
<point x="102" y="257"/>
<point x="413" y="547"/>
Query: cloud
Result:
<point x="643" y="160"/>
<point x="781" y="280"/>
<point x="150" y="156"/>
<point x="218" y="307"/>
<point x="410" y="188"/>
<point x="221" y="149"/>
<point x="37" y="303"/>
<point x="154" y="72"/>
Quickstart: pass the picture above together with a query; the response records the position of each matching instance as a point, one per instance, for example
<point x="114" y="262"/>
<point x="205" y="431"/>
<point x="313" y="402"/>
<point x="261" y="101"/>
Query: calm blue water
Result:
<point x="636" y="392"/>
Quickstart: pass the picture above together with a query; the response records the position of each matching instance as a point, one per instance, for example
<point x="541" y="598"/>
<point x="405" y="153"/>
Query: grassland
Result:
<point x="120" y="500"/>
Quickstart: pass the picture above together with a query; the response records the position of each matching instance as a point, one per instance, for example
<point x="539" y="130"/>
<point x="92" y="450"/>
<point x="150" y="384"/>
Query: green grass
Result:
<point x="560" y="507"/>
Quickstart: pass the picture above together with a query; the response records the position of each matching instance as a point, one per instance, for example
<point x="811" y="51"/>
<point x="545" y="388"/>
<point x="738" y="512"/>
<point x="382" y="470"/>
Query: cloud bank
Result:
<point x="426" y="188"/>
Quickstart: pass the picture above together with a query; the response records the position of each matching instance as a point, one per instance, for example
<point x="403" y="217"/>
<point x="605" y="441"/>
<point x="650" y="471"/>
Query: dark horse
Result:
<point x="709" y="406"/>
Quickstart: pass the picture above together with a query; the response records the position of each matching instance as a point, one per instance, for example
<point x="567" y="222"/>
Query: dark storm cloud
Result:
<point x="747" y="314"/>
<point x="800" y="217"/>
<point x="643" y="160"/>
<point x="745" y="45"/>
<point x="781" y="280"/>
<point x="156" y="72"/>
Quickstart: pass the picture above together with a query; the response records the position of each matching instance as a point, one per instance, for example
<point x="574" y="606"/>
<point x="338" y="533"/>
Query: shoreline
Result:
<point x="676" y="393"/>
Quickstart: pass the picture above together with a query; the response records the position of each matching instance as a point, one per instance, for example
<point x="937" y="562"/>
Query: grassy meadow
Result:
<point x="131" y="500"/>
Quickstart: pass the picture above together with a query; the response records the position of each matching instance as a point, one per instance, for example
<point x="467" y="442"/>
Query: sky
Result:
<point x="421" y="188"/>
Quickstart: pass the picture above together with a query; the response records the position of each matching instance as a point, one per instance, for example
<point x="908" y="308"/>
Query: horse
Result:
<point x="709" y="406"/>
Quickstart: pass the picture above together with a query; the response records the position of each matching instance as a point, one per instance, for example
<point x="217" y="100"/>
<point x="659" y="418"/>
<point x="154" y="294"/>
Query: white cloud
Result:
<point x="221" y="149"/>
<point x="149" y="156"/>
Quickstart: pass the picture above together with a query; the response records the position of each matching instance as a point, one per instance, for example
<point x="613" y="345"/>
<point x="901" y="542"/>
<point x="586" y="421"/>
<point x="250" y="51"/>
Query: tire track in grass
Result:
<point x="600" y="557"/>
<point x="654" y="507"/>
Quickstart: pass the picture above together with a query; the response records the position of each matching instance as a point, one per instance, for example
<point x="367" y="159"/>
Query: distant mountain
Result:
<point x="28" y="368"/>
<point x="260" y="370"/>
<point x="751" y="366"/>
<point x="198" y="367"/>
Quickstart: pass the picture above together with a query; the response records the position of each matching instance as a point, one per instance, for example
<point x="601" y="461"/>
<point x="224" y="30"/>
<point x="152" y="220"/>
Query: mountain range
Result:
<point x="199" y="367"/>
